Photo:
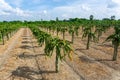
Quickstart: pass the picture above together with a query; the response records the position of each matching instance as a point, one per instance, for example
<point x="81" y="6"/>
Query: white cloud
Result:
<point x="4" y="5"/>
<point x="8" y="11"/>
<point x="113" y="8"/>
<point x="85" y="7"/>
<point x="4" y="13"/>
<point x="73" y="10"/>
<point x="45" y="11"/>
<point x="77" y="8"/>
<point x="98" y="8"/>
<point x="65" y="16"/>
<point x="116" y="1"/>
<point x="20" y="12"/>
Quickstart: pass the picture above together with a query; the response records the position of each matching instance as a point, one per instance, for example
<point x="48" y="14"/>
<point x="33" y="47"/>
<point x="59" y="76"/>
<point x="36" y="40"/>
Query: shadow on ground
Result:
<point x="30" y="73"/>
<point x="80" y="49"/>
<point x="28" y="46"/>
<point x="86" y="59"/>
<point x="105" y="45"/>
<point x="104" y="60"/>
<point x="26" y="42"/>
<point x="29" y="56"/>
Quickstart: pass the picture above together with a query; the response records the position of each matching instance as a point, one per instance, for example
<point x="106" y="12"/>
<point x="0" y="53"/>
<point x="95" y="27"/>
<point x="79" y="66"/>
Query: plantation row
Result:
<point x="91" y="30"/>
<point x="62" y="48"/>
<point x="7" y="30"/>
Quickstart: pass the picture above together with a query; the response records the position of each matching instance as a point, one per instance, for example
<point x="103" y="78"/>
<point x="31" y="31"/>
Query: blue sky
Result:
<point x="63" y="9"/>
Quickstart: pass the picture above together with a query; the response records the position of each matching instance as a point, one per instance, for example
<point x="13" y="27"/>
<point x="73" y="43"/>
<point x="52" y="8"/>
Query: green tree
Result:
<point x="99" y="30"/>
<point x="73" y="30"/>
<point x="2" y="36"/>
<point x="112" y="17"/>
<point x="87" y="32"/>
<point x="62" y="48"/>
<point x="115" y="38"/>
<point x="57" y="19"/>
<point x="91" y="17"/>
<point x="63" y="30"/>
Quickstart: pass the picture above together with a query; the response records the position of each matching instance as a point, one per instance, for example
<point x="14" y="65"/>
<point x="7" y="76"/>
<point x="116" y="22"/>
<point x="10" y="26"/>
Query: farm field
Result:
<point x="60" y="40"/>
<point x="22" y="58"/>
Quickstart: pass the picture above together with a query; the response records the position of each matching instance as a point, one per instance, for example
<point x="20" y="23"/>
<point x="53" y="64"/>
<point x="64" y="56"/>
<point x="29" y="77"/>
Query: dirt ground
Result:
<point x="21" y="58"/>
<point x="95" y="63"/>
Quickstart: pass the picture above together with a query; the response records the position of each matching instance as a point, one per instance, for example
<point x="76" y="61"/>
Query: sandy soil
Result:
<point x="23" y="59"/>
<point x="95" y="63"/>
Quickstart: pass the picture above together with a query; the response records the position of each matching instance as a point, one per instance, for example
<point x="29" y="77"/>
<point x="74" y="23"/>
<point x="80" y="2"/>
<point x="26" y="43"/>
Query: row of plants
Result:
<point x="92" y="30"/>
<point x="62" y="48"/>
<point x="7" y="29"/>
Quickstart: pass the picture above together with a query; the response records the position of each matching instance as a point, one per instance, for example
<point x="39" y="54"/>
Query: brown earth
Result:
<point x="21" y="58"/>
<point x="95" y="63"/>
